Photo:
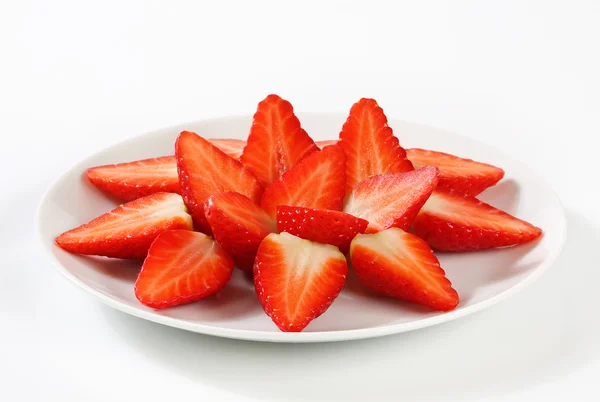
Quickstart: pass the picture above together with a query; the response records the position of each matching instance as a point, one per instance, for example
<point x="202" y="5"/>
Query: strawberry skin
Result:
<point x="276" y="141"/>
<point x="182" y="267"/>
<point x="296" y="280"/>
<point x="461" y="175"/>
<point x="400" y="265"/>
<point x="239" y="226"/>
<point x="128" y="181"/>
<point x="370" y="145"/>
<point x="318" y="181"/>
<point x="453" y="222"/>
<point x="392" y="200"/>
<point x="320" y="225"/>
<point x="128" y="231"/>
<point x="325" y="143"/>
<point x="204" y="170"/>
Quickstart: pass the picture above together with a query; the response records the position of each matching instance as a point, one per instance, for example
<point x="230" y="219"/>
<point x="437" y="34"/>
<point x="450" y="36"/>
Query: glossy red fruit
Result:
<point x="325" y="143"/>
<point x="239" y="226"/>
<point x="399" y="264"/>
<point x="370" y="145"/>
<point x="392" y="200"/>
<point x="320" y="225"/>
<point x="460" y="175"/>
<point x="276" y="141"/>
<point x="296" y="280"/>
<point x="318" y="181"/>
<point x="453" y="222"/>
<point x="128" y="231"/>
<point x="182" y="267"/>
<point x="205" y="170"/>
<point x="231" y="147"/>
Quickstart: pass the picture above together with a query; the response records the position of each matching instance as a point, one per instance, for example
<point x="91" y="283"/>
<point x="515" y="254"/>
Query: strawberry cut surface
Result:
<point x="128" y="231"/>
<point x="392" y="200"/>
<point x="370" y="145"/>
<point x="399" y="264"/>
<point x="453" y="222"/>
<point x="296" y="280"/>
<point x="276" y="141"/>
<point x="239" y="226"/>
<point x="205" y="170"/>
<point x="320" y="225"/>
<point x="182" y="267"/>
<point x="461" y="175"/>
<point x="318" y="181"/>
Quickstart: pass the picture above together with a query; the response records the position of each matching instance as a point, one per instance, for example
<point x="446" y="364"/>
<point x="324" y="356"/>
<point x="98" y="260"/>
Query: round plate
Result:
<point x="481" y="278"/>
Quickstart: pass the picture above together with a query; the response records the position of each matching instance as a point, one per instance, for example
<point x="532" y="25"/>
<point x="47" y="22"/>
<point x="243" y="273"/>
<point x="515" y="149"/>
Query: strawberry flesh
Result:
<point x="296" y="280"/>
<point x="182" y="267"/>
<point x="400" y="265"/>
<point x="128" y="231"/>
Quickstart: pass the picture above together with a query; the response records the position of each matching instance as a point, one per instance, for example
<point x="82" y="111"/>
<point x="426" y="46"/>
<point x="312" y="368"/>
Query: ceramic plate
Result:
<point x="481" y="278"/>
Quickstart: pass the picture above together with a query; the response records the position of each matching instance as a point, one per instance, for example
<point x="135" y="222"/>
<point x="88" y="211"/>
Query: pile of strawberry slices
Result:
<point x="295" y="214"/>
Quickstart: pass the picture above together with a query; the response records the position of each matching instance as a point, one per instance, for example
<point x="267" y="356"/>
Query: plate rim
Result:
<point x="298" y="337"/>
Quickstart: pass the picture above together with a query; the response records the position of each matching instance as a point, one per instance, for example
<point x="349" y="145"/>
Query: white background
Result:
<point x="77" y="76"/>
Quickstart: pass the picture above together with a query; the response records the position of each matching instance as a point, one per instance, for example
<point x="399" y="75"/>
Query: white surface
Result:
<point x="75" y="77"/>
<point x="481" y="279"/>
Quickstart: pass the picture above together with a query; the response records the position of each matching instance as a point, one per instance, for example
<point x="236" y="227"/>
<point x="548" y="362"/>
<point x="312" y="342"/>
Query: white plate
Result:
<point x="481" y="278"/>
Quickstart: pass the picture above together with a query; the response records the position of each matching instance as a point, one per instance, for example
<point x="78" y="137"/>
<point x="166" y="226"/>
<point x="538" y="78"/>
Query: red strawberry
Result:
<point x="231" y="147"/>
<point x="128" y="231"/>
<point x="296" y="280"/>
<point x="276" y="141"/>
<point x="320" y="225"/>
<point x="325" y="143"/>
<point x="182" y="267"/>
<point x="398" y="264"/>
<point x="464" y="176"/>
<point x="239" y="225"/>
<point x="392" y="200"/>
<point x="454" y="222"/>
<point x="318" y="181"/>
<point x="370" y="145"/>
<point x="128" y="181"/>
<point x="205" y="170"/>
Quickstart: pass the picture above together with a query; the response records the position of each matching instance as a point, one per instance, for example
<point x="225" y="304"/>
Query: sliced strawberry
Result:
<point x="320" y="225"/>
<point x="128" y="181"/>
<point x="182" y="267"/>
<point x="398" y="264"/>
<point x="296" y="280"/>
<point x="318" y="181"/>
<point x="325" y="143"/>
<point x="231" y="147"/>
<point x="392" y="200"/>
<point x="128" y="231"/>
<point x="370" y="145"/>
<point x="454" y="222"/>
<point x="205" y="170"/>
<point x="239" y="225"/>
<point x="276" y="141"/>
<point x="464" y="176"/>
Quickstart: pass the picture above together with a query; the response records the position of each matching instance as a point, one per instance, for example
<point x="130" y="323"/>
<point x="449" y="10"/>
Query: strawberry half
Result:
<point x="128" y="231"/>
<point x="325" y="143"/>
<point x="453" y="222"/>
<point x="182" y="267"/>
<point x="276" y="141"/>
<point x="231" y="147"/>
<point x="462" y="175"/>
<point x="318" y="181"/>
<point x="398" y="264"/>
<point x="392" y="200"/>
<point x="238" y="225"/>
<point x="205" y="170"/>
<point x="370" y="145"/>
<point x="320" y="225"/>
<point x="128" y="181"/>
<point x="296" y="280"/>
